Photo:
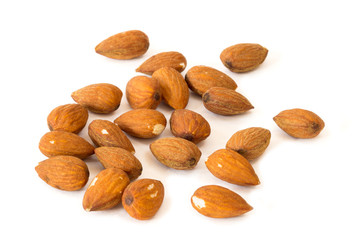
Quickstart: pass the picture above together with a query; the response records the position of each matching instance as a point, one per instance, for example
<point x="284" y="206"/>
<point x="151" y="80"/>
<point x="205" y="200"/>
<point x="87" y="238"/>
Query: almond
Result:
<point x="143" y="198"/>
<point x="202" y="78"/>
<point x="165" y="59"/>
<point x="99" y="98"/>
<point x="189" y="125"/>
<point x="142" y="123"/>
<point x="225" y="101"/>
<point x="68" y="118"/>
<point x="124" y="45"/>
<point x="143" y="92"/>
<point x="231" y="167"/>
<point x="64" y="172"/>
<point x="219" y="202"/>
<point x="65" y="143"/>
<point x="243" y="57"/>
<point x="174" y="89"/>
<point x="107" y="134"/>
<point x="105" y="190"/>
<point x="250" y="143"/>
<point x="300" y="123"/>
<point x="176" y="153"/>
<point x="114" y="157"/>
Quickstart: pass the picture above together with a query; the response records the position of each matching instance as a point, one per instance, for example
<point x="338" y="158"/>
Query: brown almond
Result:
<point x="143" y="92"/>
<point x="124" y="45"/>
<point x="243" y="57"/>
<point x="300" y="123"/>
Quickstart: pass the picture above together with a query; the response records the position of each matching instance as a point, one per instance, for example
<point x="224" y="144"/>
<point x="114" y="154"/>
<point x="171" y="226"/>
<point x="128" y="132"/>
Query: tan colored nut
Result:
<point x="143" y="92"/>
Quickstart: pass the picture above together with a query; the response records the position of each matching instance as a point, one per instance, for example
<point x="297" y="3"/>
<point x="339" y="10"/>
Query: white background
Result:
<point x="309" y="188"/>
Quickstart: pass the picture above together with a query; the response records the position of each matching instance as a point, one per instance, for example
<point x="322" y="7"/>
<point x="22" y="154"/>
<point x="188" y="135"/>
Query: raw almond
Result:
<point x="65" y="143"/>
<point x="202" y="78"/>
<point x="99" y="98"/>
<point x="243" y="57"/>
<point x="176" y="153"/>
<point x="250" y="143"/>
<point x="124" y="45"/>
<point x="143" y="198"/>
<point x="165" y="59"/>
<point x="105" y="190"/>
<point x="143" y="92"/>
<point x="231" y="167"/>
<point x="174" y="89"/>
<point x="219" y="202"/>
<point x="300" y="123"/>
<point x="64" y="172"/>
<point x="225" y="101"/>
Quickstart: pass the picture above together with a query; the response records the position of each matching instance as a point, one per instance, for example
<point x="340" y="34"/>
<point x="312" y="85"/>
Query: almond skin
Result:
<point x="114" y="157"/>
<point x="189" y="125"/>
<point x="176" y="153"/>
<point x="250" y="143"/>
<point x="107" y="134"/>
<point x="143" y="198"/>
<point x="68" y="118"/>
<point x="299" y="123"/>
<point x="231" y="167"/>
<point x="105" y="190"/>
<point x="225" y="101"/>
<point x="219" y="202"/>
<point x="124" y="45"/>
<point x="64" y="172"/>
<point x="202" y="78"/>
<point x="142" y="123"/>
<point x="243" y="57"/>
<point x="171" y="59"/>
<point x="99" y="98"/>
<point x="65" y="143"/>
<point x="143" y="92"/>
<point x="174" y="89"/>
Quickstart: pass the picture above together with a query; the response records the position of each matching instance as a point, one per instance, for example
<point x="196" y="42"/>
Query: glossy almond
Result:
<point x="68" y="118"/>
<point x="202" y="78"/>
<point x="65" y="143"/>
<point x="142" y="123"/>
<point x="143" y="198"/>
<point x="219" y="202"/>
<point x="99" y="98"/>
<point x="165" y="59"/>
<point x="107" y="134"/>
<point x="174" y="89"/>
<point x="231" y="167"/>
<point x="143" y="92"/>
<point x="225" y="101"/>
<point x="124" y="45"/>
<point x="64" y="172"/>
<point x="243" y="57"/>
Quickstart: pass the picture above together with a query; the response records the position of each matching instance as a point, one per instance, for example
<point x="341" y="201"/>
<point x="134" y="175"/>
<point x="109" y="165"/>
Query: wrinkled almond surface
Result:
<point x="143" y="92"/>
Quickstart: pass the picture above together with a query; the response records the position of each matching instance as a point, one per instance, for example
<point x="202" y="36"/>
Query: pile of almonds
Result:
<point x="119" y="182"/>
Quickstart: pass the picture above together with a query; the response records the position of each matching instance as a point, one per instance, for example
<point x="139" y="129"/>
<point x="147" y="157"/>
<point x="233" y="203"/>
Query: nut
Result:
<point x="143" y="92"/>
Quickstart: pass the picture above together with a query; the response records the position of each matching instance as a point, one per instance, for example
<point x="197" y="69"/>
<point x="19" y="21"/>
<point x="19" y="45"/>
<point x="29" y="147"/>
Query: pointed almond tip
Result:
<point x="88" y="210"/>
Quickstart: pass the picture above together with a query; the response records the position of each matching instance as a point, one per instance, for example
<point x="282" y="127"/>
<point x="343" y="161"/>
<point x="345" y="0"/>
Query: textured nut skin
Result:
<point x="114" y="157"/>
<point x="225" y="101"/>
<point x="176" y="153"/>
<point x="218" y="202"/>
<point x="243" y="57"/>
<point x="143" y="92"/>
<point x="143" y="198"/>
<point x="174" y="90"/>
<point x="65" y="143"/>
<point x="105" y="190"/>
<point x="64" y="172"/>
<point x="250" y="143"/>
<point x="231" y="167"/>
<point x="202" y="78"/>
<point x="124" y="45"/>
<point x="171" y="59"/>
<point x="142" y="123"/>
<point x="99" y="98"/>
<point x="189" y="125"/>
<point x="107" y="134"/>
